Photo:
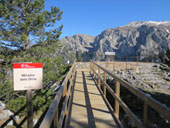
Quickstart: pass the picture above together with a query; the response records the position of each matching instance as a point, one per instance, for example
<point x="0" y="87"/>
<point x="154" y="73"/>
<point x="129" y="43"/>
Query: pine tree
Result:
<point x="27" y="34"/>
<point x="24" y="22"/>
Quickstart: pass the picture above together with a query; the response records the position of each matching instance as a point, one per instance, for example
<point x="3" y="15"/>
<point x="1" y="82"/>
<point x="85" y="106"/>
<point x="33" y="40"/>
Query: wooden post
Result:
<point x="55" y="121"/>
<point x="29" y="109"/>
<point x="90" y="68"/>
<point x="66" y="110"/>
<point x="126" y="62"/>
<point x="145" y="115"/>
<point x="71" y="80"/>
<point x="107" y="63"/>
<point x="65" y="90"/>
<point x="93" y="69"/>
<point x="99" y="83"/>
<point x="104" y="84"/>
<point x="116" y="102"/>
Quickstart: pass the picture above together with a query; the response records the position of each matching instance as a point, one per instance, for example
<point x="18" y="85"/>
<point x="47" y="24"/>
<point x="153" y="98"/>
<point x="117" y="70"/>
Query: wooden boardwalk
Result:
<point x="88" y="108"/>
<point x="79" y="103"/>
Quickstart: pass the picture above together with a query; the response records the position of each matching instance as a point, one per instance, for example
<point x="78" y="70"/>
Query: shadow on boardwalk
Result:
<point x="89" y="109"/>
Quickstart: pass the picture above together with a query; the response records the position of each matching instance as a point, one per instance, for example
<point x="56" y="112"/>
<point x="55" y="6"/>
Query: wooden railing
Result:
<point x="117" y="65"/>
<point x="96" y="70"/>
<point x="59" y="108"/>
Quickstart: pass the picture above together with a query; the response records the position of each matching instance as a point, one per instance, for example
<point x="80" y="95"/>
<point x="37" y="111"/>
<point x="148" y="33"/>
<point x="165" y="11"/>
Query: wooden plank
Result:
<point x="88" y="106"/>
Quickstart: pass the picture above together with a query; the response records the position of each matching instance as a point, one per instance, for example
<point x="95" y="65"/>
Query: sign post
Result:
<point x="29" y="109"/>
<point x="28" y="76"/>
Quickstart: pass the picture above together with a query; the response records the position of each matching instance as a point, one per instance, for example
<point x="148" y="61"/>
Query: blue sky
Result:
<point x="94" y="16"/>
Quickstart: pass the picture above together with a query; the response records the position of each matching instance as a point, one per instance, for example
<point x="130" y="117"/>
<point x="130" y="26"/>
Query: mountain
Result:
<point x="79" y="42"/>
<point x="144" y="39"/>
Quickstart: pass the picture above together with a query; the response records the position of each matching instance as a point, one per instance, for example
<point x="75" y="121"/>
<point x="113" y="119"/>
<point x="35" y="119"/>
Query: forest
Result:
<point x="28" y="33"/>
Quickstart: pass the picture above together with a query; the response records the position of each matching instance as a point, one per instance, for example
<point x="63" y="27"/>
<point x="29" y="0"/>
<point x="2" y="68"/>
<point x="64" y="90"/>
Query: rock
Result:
<point x="134" y="78"/>
<point x="147" y="78"/>
<point x="151" y="85"/>
<point x="145" y="86"/>
<point x="35" y="121"/>
<point x="8" y="113"/>
<point x="167" y="121"/>
<point x="156" y="66"/>
<point x="10" y="123"/>
<point x="164" y="67"/>
<point x="2" y="105"/>
<point x="1" y="116"/>
<point x="5" y="114"/>
<point x="16" y="118"/>
<point x="167" y="78"/>
<point x="79" y="42"/>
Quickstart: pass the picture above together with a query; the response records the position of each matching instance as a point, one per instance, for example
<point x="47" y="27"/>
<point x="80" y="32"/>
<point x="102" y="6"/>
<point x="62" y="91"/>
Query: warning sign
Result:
<point x="27" y="76"/>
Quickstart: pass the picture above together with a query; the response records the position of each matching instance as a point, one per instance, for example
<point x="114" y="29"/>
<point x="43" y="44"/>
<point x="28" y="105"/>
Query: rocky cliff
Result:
<point x="145" y="39"/>
<point x="79" y="42"/>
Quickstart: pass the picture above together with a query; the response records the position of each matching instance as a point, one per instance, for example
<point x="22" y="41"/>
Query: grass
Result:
<point x="139" y="73"/>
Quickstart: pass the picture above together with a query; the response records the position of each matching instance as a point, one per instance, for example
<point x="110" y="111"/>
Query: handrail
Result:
<point x="148" y="101"/>
<point x="52" y="116"/>
<point x="118" y="65"/>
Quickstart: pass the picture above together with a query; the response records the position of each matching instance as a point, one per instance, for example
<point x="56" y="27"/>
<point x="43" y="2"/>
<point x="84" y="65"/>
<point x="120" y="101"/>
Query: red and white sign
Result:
<point x="27" y="76"/>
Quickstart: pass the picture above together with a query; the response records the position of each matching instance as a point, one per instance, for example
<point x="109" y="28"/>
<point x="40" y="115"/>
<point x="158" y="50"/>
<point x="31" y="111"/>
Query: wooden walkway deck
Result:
<point x="79" y="103"/>
<point x="88" y="108"/>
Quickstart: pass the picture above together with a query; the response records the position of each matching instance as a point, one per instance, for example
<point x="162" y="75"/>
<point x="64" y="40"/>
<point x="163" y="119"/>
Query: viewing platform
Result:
<point x="82" y="99"/>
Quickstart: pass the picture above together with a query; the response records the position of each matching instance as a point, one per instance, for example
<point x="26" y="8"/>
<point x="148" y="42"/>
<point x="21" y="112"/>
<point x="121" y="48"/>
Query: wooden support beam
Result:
<point x="71" y="80"/>
<point x="145" y="115"/>
<point x="126" y="62"/>
<point x="55" y="121"/>
<point x="65" y="89"/>
<point x="91" y="67"/>
<point x="99" y="82"/>
<point x="105" y="84"/>
<point x="66" y="111"/>
<point x="116" y="102"/>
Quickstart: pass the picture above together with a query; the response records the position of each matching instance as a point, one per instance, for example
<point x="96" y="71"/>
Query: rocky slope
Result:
<point x="149" y="76"/>
<point x="145" y="39"/>
<point x="79" y="42"/>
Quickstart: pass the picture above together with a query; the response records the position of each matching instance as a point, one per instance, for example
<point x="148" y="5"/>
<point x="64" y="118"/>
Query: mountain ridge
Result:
<point x="143" y="38"/>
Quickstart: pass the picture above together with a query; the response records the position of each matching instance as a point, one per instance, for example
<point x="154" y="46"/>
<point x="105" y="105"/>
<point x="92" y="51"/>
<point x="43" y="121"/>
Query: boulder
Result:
<point x="2" y="105"/>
